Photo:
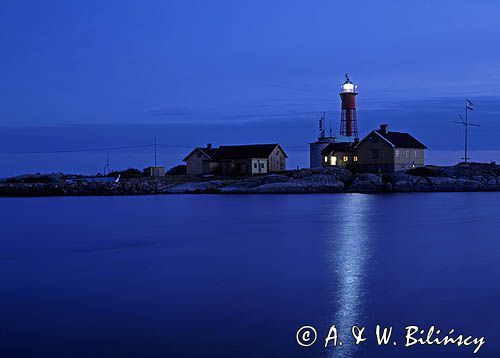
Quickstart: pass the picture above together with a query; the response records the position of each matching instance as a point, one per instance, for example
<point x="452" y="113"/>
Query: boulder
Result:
<point x="238" y="187"/>
<point x="273" y="178"/>
<point x="367" y="183"/>
<point x="282" y="188"/>
<point x="195" y="187"/>
<point x="301" y="174"/>
<point x="300" y="186"/>
<point x="364" y="187"/>
<point x="375" y="179"/>
<point x="402" y="182"/>
<point x="451" y="184"/>
<point x="341" y="174"/>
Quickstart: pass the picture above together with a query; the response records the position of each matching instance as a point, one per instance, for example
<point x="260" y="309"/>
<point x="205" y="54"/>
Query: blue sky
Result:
<point x="192" y="72"/>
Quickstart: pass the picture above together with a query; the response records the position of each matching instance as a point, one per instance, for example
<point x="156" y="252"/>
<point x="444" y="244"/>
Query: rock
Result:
<point x="422" y="184"/>
<point x="196" y="187"/>
<point x="289" y="187"/>
<point x="451" y="184"/>
<point x="300" y="186"/>
<point x="364" y="187"/>
<point x="274" y="178"/>
<point x="238" y="187"/>
<point x="402" y="182"/>
<point x="341" y="174"/>
<point x="472" y="177"/>
<point x="367" y="183"/>
<point x="372" y="178"/>
<point x="301" y="174"/>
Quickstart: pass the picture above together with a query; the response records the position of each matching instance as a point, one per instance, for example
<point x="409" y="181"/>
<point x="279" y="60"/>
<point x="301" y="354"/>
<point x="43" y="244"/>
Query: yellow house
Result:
<point x="386" y="151"/>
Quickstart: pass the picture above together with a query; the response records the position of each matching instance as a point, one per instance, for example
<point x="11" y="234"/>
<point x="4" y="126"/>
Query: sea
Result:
<point x="242" y="275"/>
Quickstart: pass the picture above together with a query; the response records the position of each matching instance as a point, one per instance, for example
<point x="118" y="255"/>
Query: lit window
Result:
<point x="407" y="153"/>
<point x="346" y="158"/>
<point x="333" y="160"/>
<point x="326" y="159"/>
<point x="398" y="154"/>
<point x="355" y="158"/>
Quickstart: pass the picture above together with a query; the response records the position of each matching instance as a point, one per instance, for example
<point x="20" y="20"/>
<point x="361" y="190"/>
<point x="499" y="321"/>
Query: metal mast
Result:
<point x="106" y="167"/>
<point x="156" y="168"/>
<point x="466" y="124"/>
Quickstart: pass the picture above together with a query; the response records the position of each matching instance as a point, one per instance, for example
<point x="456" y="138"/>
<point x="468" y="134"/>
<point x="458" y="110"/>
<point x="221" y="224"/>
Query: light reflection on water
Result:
<point x="348" y="256"/>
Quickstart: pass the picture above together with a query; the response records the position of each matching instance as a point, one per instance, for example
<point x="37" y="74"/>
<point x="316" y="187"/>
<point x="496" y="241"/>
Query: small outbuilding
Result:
<point x="154" y="171"/>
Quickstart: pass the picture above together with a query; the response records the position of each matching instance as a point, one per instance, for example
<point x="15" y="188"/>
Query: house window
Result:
<point x="398" y="153"/>
<point x="345" y="158"/>
<point x="255" y="165"/>
<point x="199" y="155"/>
<point x="262" y="165"/>
<point x="416" y="154"/>
<point x="355" y="158"/>
<point x="375" y="153"/>
<point x="333" y="160"/>
<point x="407" y="153"/>
<point x="326" y="159"/>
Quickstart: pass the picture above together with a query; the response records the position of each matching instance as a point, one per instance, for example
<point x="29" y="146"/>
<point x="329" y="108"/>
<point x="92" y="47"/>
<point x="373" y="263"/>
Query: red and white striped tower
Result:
<point x="348" y="119"/>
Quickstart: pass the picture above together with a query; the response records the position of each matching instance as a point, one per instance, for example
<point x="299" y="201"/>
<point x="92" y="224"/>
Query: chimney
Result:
<point x="384" y="128"/>
<point x="209" y="146"/>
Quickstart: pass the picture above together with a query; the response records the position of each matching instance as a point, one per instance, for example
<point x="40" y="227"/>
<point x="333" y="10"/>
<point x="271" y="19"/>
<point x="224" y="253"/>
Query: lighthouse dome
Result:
<point x="348" y="86"/>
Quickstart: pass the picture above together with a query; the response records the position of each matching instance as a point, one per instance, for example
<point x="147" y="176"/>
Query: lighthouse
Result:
<point x="342" y="152"/>
<point x="348" y="118"/>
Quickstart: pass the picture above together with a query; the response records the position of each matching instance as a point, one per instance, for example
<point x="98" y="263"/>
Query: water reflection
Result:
<point x="348" y="256"/>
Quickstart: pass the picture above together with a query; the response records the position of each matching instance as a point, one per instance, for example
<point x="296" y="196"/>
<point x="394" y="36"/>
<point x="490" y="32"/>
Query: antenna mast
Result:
<point x="156" y="169"/>
<point x="322" y="126"/>
<point x="331" y="130"/>
<point x="106" y="167"/>
<point x="466" y="124"/>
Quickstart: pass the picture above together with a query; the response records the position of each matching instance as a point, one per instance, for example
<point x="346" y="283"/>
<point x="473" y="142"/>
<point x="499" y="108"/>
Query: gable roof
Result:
<point x="397" y="139"/>
<point x="207" y="152"/>
<point x="228" y="152"/>
<point x="338" y="147"/>
<point x="401" y="140"/>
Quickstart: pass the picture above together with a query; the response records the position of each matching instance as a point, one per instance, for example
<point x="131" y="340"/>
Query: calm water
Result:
<point x="172" y="276"/>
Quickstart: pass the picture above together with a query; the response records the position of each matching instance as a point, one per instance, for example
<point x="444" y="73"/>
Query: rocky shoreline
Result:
<point x="474" y="177"/>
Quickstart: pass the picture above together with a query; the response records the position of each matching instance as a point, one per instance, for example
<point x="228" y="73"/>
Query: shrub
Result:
<point x="125" y="174"/>
<point x="178" y="170"/>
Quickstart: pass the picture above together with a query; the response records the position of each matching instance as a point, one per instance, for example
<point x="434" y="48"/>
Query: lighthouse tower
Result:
<point x="348" y="118"/>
